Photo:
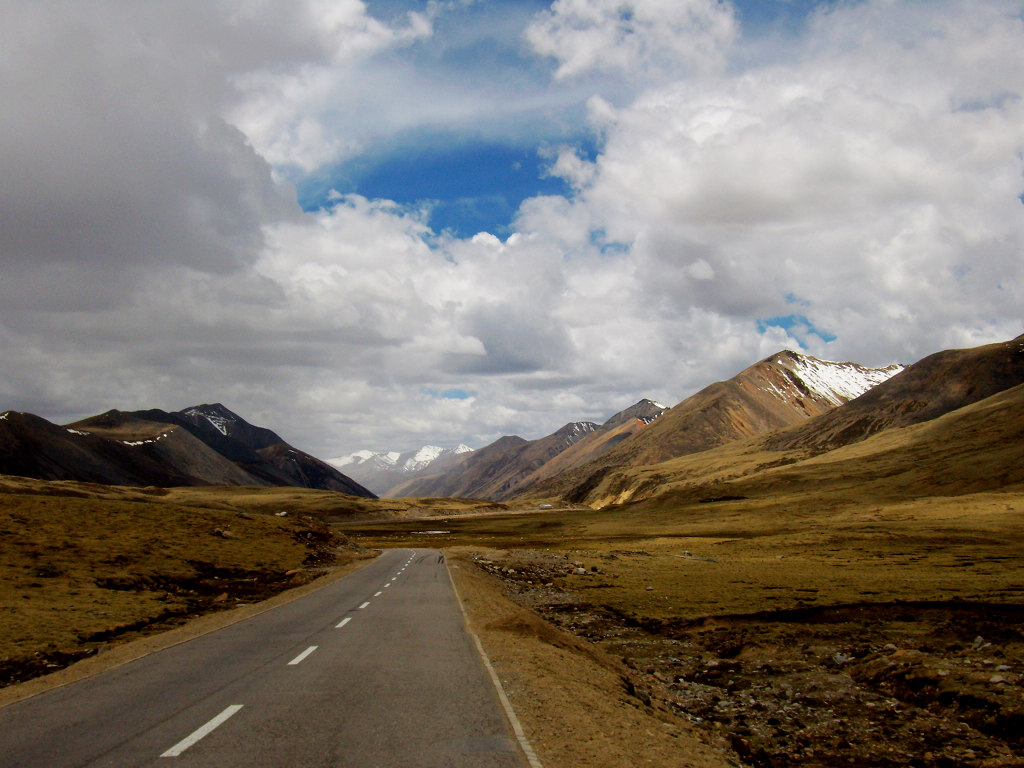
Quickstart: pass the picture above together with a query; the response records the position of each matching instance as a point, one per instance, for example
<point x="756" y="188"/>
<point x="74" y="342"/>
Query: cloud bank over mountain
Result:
<point x="847" y="182"/>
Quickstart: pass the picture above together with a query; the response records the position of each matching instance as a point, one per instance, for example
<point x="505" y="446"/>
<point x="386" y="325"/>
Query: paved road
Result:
<point x="376" y="669"/>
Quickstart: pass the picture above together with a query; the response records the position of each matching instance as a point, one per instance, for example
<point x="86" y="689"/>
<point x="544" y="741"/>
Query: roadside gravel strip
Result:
<point x="517" y="728"/>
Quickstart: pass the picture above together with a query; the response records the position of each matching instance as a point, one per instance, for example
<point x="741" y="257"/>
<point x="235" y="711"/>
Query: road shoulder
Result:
<point x="572" y="699"/>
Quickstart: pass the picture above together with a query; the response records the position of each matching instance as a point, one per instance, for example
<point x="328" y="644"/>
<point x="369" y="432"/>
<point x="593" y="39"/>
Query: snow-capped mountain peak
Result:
<point x="384" y="468"/>
<point x="381" y="459"/>
<point x="422" y="457"/>
<point x="418" y="460"/>
<point x="837" y="383"/>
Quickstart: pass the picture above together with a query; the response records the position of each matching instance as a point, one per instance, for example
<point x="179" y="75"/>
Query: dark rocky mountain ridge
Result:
<point x="204" y="445"/>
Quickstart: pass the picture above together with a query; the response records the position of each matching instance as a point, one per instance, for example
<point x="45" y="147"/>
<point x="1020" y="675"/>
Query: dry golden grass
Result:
<point x="78" y="572"/>
<point x="83" y="564"/>
<point x="735" y="557"/>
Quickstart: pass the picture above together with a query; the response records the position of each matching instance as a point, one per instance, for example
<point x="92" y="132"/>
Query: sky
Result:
<point x="383" y="224"/>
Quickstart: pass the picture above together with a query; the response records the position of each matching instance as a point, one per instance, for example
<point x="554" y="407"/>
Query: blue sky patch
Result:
<point x="448" y="394"/>
<point x="797" y="326"/>
<point x="470" y="186"/>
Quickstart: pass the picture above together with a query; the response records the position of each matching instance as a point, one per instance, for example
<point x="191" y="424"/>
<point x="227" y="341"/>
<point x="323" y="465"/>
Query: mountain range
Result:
<point x="779" y="391"/>
<point x="790" y="404"/>
<point x="950" y="422"/>
<point x="202" y="445"/>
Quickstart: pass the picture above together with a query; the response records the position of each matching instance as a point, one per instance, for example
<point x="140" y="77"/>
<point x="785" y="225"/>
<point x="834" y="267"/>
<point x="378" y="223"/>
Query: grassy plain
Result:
<point x="887" y="633"/>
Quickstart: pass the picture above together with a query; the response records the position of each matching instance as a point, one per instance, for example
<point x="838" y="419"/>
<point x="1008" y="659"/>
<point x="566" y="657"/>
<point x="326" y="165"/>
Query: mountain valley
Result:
<point x="808" y="564"/>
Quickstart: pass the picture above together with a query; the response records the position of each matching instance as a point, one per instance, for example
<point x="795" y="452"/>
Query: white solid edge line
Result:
<point x="301" y="657"/>
<point x="517" y="728"/>
<point x="200" y="732"/>
<point x="343" y="622"/>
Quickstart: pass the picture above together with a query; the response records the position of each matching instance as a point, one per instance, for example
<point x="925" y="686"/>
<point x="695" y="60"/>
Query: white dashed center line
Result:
<point x="364" y="605"/>
<point x="344" y="621"/>
<point x="301" y="657"/>
<point x="199" y="733"/>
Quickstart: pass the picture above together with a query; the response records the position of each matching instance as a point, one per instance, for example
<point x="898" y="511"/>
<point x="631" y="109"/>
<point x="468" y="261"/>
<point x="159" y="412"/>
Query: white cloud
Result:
<point x="849" y="174"/>
<point x="286" y="111"/>
<point x="649" y="37"/>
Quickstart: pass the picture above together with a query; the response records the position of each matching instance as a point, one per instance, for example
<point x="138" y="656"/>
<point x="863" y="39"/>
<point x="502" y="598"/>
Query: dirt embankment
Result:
<point x="931" y="684"/>
<point x="578" y="704"/>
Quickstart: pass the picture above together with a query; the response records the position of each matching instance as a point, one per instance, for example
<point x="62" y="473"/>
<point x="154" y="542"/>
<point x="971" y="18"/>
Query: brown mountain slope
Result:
<point x="499" y="470"/>
<point x="502" y="470"/>
<point x="33" y="447"/>
<point x="479" y="468"/>
<point x="301" y="470"/>
<point x="936" y="385"/>
<point x="779" y="391"/>
<point x="164" y="453"/>
<point x="975" y="449"/>
<point x="618" y="428"/>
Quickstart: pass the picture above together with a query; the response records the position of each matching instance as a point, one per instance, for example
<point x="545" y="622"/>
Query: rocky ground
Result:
<point x="931" y="684"/>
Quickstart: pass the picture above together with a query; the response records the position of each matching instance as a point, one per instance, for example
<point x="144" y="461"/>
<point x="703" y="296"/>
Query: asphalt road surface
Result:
<point x="376" y="669"/>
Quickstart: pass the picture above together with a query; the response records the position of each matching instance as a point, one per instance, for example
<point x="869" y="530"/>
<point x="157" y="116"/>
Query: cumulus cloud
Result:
<point x="114" y="158"/>
<point x="638" y="37"/>
<point x="868" y="173"/>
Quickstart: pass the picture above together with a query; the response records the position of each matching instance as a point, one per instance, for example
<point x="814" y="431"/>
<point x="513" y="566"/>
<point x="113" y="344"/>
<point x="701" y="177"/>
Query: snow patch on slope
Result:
<point x="219" y="422"/>
<point x="837" y="383"/>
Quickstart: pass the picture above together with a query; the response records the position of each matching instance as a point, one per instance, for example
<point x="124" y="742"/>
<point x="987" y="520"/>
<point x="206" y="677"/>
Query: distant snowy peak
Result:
<point x="836" y="383"/>
<point x="410" y="461"/>
<point x="418" y="460"/>
<point x="377" y="459"/>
